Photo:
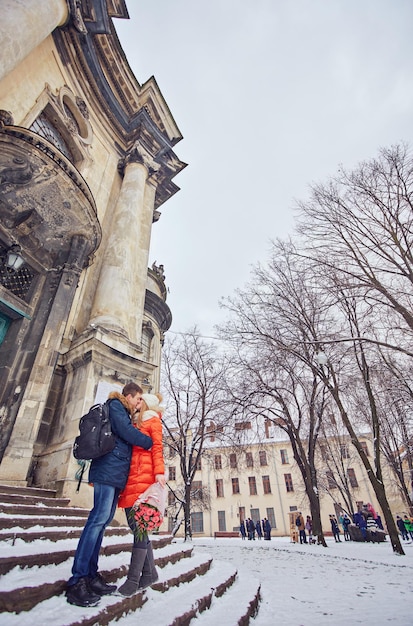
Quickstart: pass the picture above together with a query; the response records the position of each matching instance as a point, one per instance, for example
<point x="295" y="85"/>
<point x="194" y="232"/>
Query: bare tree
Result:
<point x="273" y="325"/>
<point x="192" y="379"/>
<point x="359" y="231"/>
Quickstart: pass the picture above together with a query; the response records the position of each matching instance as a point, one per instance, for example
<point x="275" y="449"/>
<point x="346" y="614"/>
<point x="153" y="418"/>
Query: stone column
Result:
<point x="25" y="24"/>
<point x="19" y="452"/>
<point x="122" y="280"/>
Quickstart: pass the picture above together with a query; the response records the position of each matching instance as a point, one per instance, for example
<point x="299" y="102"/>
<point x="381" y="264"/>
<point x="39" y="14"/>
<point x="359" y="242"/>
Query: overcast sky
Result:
<point x="270" y="97"/>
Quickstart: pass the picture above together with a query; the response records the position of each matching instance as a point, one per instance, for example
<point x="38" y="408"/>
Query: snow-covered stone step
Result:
<point x="182" y="604"/>
<point x="30" y="521"/>
<point x="42" y="509"/>
<point x="51" y="534"/>
<point x="236" y="606"/>
<point x="22" y="589"/>
<point x="60" y="613"/>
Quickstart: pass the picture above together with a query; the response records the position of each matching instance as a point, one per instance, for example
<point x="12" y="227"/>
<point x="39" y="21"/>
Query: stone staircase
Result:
<point x="38" y="538"/>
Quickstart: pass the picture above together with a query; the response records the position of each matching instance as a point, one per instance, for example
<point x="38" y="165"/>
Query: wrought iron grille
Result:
<point x="17" y="282"/>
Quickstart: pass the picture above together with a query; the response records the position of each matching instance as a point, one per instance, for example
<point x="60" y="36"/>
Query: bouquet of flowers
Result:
<point x="148" y="510"/>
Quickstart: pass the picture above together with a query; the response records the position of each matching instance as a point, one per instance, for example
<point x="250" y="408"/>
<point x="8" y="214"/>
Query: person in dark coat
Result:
<point x="108" y="474"/>
<point x="250" y="529"/>
<point x="242" y="530"/>
<point x="335" y="529"/>
<point x="402" y="528"/>
<point x="267" y="529"/>
<point x="258" y="529"/>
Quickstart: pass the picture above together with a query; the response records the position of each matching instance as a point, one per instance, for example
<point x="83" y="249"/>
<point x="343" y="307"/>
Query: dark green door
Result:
<point x="4" y="324"/>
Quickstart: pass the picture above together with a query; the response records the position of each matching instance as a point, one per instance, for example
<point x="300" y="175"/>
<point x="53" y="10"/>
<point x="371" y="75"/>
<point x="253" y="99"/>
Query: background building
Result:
<point x="86" y="162"/>
<point x="259" y="479"/>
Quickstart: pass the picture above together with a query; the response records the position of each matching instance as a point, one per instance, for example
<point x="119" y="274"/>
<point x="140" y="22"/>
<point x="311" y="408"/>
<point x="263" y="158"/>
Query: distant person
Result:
<point x="250" y="529"/>
<point x="335" y="529"/>
<point x="242" y="530"/>
<point x="299" y="522"/>
<point x="258" y="529"/>
<point x="402" y="528"/>
<point x="346" y="523"/>
<point x="309" y="528"/>
<point x="267" y="529"/>
<point x="372" y="527"/>
<point x="409" y="526"/>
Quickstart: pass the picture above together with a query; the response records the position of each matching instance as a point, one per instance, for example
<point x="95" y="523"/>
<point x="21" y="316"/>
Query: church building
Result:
<point x="87" y="159"/>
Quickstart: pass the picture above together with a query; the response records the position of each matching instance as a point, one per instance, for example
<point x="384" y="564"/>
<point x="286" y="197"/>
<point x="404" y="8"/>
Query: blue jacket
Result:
<point x="113" y="468"/>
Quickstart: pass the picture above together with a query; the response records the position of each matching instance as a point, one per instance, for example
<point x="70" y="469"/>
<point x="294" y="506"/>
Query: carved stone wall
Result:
<point x="85" y="152"/>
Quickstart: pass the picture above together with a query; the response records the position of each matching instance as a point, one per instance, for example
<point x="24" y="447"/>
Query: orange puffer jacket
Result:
<point x="145" y="464"/>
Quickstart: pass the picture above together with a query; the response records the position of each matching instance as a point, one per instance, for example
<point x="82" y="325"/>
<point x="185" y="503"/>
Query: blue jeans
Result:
<point x="105" y="499"/>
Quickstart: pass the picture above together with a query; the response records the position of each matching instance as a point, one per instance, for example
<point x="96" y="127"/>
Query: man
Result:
<point x="108" y="474"/>
<point x="301" y="527"/>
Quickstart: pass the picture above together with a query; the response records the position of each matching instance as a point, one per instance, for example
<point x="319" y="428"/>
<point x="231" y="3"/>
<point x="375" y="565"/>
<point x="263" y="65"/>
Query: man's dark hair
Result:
<point x="131" y="389"/>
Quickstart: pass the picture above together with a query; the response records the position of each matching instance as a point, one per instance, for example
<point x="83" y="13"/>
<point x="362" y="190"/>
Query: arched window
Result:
<point x="44" y="127"/>
<point x="147" y="338"/>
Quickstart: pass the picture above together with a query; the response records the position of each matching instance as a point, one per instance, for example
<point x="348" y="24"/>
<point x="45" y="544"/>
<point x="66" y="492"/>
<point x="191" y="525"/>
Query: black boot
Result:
<point x="99" y="586"/>
<point x="135" y="569"/>
<point x="80" y="594"/>
<point x="149" y="573"/>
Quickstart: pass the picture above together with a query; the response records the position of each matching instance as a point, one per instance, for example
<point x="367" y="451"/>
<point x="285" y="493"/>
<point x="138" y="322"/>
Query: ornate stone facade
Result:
<point x="86" y="161"/>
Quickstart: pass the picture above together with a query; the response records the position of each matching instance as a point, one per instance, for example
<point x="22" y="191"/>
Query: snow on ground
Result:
<point x="308" y="585"/>
<point x="346" y="583"/>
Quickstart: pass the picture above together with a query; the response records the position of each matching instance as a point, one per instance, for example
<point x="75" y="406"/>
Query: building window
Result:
<point x="233" y="461"/>
<point x="344" y="451"/>
<point x="171" y="473"/>
<point x="263" y="458"/>
<point x="241" y="513"/>
<point x="196" y="490"/>
<point x="331" y="483"/>
<point x="44" y="127"/>
<point x="198" y="464"/>
<point x="255" y="515"/>
<point x="218" y="461"/>
<point x="352" y="477"/>
<point x="364" y="447"/>
<point x="250" y="459"/>
<point x="221" y="521"/>
<point x="171" y="452"/>
<point x="242" y="425"/>
<point x="197" y="522"/>
<point x="253" y="485"/>
<point x="146" y="340"/>
<point x="171" y="498"/>
<point x="220" y="487"/>
<point x="284" y="457"/>
<point x="288" y="482"/>
<point x="267" y="426"/>
<point x="235" y="485"/>
<point x="271" y="517"/>
<point x="266" y="484"/>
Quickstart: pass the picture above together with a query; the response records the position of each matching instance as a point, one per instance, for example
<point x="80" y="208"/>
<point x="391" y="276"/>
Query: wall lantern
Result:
<point x="14" y="259"/>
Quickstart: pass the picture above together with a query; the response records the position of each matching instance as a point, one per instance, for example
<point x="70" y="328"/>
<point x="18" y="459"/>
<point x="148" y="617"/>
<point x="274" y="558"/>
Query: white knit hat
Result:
<point x="151" y="401"/>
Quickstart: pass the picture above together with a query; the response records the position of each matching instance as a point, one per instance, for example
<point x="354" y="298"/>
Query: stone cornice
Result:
<point x="133" y="112"/>
<point x="159" y="310"/>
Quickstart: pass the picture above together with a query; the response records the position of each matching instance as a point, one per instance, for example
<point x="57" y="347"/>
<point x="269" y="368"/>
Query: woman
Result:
<point x="146" y="468"/>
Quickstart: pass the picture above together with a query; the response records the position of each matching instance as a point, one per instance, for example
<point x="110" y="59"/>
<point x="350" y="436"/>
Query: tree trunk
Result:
<point x="187" y="514"/>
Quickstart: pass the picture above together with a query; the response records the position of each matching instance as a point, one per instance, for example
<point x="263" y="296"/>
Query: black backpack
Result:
<point x="96" y="438"/>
